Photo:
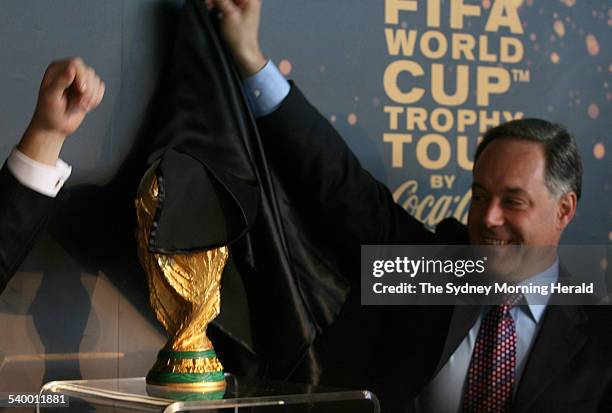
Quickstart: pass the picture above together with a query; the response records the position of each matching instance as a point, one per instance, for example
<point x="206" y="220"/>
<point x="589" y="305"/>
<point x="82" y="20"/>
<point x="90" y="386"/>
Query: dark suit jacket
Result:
<point x="23" y="215"/>
<point x="396" y="350"/>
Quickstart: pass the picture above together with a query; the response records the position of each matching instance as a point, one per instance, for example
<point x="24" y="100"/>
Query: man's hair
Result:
<point x="563" y="162"/>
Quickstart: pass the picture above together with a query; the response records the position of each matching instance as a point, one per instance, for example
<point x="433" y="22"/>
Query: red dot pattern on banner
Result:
<point x="285" y="67"/>
<point x="599" y="151"/>
<point x="554" y="57"/>
<point x="593" y="111"/>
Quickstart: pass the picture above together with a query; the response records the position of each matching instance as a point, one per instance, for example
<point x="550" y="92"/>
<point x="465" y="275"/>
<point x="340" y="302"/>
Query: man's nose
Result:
<point x="493" y="214"/>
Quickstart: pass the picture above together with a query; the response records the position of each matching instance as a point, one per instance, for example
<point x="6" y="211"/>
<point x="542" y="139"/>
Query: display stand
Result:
<point x="241" y="395"/>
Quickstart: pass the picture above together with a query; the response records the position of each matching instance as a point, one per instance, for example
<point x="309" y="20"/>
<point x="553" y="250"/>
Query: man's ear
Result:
<point x="566" y="209"/>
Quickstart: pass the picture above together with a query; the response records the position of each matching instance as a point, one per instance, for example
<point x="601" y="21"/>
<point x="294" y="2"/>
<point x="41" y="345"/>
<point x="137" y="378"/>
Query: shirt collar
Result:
<point x="536" y="303"/>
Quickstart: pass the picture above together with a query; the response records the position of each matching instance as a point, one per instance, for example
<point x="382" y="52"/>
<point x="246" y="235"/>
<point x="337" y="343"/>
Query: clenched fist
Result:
<point x="69" y="90"/>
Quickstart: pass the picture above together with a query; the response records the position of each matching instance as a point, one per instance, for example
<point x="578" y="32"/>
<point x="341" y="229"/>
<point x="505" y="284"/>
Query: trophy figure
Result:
<point x="184" y="293"/>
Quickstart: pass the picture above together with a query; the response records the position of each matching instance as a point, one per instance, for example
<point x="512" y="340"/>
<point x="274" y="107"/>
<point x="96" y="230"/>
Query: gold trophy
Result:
<point x="184" y="292"/>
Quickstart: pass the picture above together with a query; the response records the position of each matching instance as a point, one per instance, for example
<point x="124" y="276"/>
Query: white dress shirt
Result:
<point x="444" y="393"/>
<point x="44" y="179"/>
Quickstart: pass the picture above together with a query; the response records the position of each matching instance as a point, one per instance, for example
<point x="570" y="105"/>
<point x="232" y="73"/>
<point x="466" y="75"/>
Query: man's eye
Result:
<point x="514" y="202"/>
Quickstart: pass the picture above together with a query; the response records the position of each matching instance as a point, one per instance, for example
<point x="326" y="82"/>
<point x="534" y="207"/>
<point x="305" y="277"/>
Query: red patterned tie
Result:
<point x="490" y="377"/>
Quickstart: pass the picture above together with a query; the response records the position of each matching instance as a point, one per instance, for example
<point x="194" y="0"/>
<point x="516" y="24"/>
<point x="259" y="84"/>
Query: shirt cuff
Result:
<point x="266" y="90"/>
<point x="45" y="179"/>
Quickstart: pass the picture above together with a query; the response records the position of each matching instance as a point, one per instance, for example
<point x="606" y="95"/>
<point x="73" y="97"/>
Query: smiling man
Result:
<point x="517" y="356"/>
<point x="526" y="185"/>
<point x="527" y="182"/>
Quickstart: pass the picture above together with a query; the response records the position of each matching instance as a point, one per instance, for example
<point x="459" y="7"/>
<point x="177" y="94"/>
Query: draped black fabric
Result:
<point x="218" y="189"/>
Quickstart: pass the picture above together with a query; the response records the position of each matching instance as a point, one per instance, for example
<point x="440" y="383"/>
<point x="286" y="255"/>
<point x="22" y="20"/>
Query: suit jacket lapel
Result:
<point x="555" y="345"/>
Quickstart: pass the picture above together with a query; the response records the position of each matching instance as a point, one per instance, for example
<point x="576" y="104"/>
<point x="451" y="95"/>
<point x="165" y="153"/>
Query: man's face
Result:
<point x="511" y="205"/>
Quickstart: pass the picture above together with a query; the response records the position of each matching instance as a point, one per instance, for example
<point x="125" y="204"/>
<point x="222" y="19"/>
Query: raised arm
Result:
<point x="317" y="169"/>
<point x="33" y="174"/>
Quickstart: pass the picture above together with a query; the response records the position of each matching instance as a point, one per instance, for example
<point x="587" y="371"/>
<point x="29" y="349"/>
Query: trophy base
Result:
<point x="174" y="382"/>
<point x="198" y="371"/>
<point x="184" y="393"/>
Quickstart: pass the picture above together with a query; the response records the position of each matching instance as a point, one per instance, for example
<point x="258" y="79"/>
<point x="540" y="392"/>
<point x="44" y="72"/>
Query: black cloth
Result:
<point x="216" y="189"/>
<point x="24" y="213"/>
<point x="395" y="351"/>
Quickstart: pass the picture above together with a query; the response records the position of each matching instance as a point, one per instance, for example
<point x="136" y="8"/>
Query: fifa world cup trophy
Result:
<point x="184" y="293"/>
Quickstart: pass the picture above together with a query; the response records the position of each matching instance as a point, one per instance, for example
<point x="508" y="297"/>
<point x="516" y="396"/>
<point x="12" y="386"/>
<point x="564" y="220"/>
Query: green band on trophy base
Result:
<point x="195" y="370"/>
<point x="164" y="377"/>
<point x="183" y="395"/>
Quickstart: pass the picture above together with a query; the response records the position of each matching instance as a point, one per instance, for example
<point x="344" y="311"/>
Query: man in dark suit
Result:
<point x="527" y="182"/>
<point x="33" y="175"/>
